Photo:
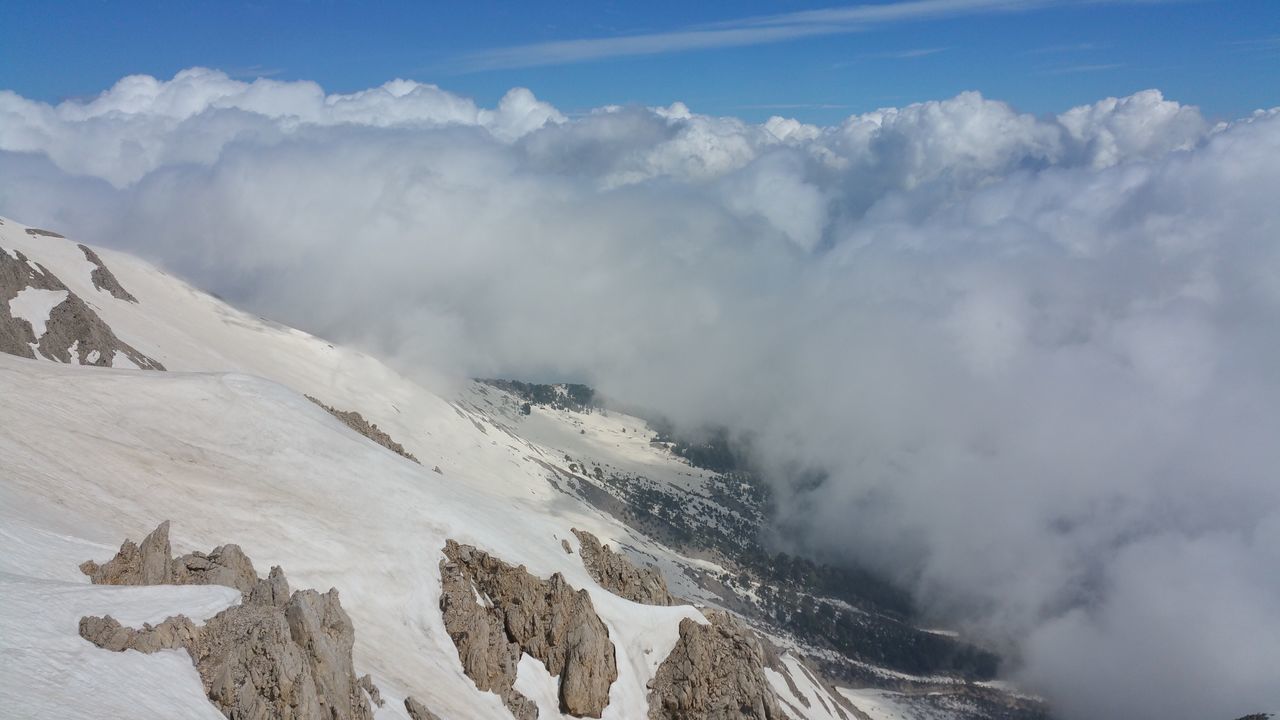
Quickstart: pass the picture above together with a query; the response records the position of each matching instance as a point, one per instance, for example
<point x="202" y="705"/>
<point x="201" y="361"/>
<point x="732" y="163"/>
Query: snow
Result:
<point x="226" y="439"/>
<point x="813" y="700"/>
<point x="44" y="658"/>
<point x="34" y="306"/>
<point x="120" y="360"/>
<point x="879" y="704"/>
<point x="536" y="683"/>
<point x="226" y="447"/>
<point x="216" y="453"/>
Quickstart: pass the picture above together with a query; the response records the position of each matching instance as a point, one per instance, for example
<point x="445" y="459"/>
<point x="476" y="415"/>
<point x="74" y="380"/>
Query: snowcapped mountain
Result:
<point x="131" y="398"/>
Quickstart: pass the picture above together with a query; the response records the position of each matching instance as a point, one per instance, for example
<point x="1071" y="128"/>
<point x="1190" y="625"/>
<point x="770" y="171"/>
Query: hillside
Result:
<point x="131" y="398"/>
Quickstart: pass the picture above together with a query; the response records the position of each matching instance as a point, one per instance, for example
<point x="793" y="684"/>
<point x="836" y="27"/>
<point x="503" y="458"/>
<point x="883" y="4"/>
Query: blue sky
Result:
<point x="817" y="61"/>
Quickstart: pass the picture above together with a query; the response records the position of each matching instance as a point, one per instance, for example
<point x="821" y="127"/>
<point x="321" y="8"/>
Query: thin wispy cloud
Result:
<point x="755" y="30"/>
<point x="1076" y="69"/>
<point x="1263" y="47"/>
<point x="905" y="54"/>
<point x="1067" y="48"/>
<point x="910" y="54"/>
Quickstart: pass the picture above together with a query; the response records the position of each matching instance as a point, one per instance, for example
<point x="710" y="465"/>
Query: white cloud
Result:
<point x="757" y="30"/>
<point x="1036" y="355"/>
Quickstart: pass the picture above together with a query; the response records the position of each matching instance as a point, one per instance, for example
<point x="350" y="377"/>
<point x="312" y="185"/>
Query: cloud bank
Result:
<point x="1035" y="356"/>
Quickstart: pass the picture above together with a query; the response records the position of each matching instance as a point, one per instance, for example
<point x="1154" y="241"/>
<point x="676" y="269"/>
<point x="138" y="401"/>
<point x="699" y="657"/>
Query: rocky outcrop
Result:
<point x="375" y="695"/>
<point x="37" y="232"/>
<point x="104" y="279"/>
<point x="619" y="576"/>
<point x="74" y="327"/>
<point x="17" y="273"/>
<point x="74" y="332"/>
<point x="715" y="672"/>
<point x="418" y="711"/>
<point x="276" y="655"/>
<point x="356" y="421"/>
<point x="495" y="612"/>
<point x="150" y="564"/>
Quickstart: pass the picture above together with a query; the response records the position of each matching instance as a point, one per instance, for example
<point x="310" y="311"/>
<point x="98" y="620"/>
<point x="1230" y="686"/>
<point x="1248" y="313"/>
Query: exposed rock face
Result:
<point x="74" y="333"/>
<point x="495" y="612"/>
<point x="150" y="564"/>
<point x="616" y="574"/>
<point x="73" y="324"/>
<point x="356" y="421"/>
<point x="375" y="695"/>
<point x="715" y="672"/>
<point x="36" y="232"/>
<point x="104" y="279"/>
<point x="277" y="655"/>
<point x="17" y="274"/>
<point x="418" y="711"/>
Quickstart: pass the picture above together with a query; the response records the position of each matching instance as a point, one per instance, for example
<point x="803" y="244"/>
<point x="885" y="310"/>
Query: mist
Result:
<point x="1035" y="357"/>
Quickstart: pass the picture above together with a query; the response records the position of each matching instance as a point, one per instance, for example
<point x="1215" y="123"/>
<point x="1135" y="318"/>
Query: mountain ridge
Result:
<point x="225" y="442"/>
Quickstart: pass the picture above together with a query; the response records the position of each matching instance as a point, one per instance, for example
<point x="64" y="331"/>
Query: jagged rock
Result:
<point x="107" y="633"/>
<point x="715" y="672"/>
<point x="276" y="655"/>
<point x="619" y="576"/>
<point x="150" y="564"/>
<point x="224" y="565"/>
<point x="356" y="421"/>
<point x="494" y="612"/>
<point x="145" y="564"/>
<point x="565" y="544"/>
<point x="319" y="625"/>
<point x="272" y="591"/>
<point x="375" y="695"/>
<point x="104" y="279"/>
<point x="418" y="711"/>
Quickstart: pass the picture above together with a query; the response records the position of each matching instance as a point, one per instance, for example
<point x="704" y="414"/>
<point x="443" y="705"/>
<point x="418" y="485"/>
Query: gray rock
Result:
<point x="150" y="564"/>
<point x="71" y="324"/>
<point x="356" y="421"/>
<point x="145" y="564"/>
<point x="17" y="274"/>
<point x="495" y="612"/>
<point x="715" y="672"/>
<point x="375" y="695"/>
<point x="418" y="711"/>
<point x="224" y="565"/>
<point x="37" y="232"/>
<point x="104" y="279"/>
<point x="276" y="655"/>
<point x="272" y="591"/>
<point x="619" y="576"/>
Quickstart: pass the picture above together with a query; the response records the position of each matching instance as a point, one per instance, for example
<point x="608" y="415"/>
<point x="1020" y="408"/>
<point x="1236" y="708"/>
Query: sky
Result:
<point x="718" y="58"/>
<point x="1021" y="320"/>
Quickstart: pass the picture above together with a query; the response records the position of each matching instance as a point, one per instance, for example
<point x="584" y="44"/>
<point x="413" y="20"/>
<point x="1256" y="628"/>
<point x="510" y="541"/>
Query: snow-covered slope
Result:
<point x="225" y="445"/>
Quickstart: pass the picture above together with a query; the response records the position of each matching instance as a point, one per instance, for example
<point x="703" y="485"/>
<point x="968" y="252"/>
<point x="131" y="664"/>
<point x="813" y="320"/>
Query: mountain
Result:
<point x="497" y="548"/>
